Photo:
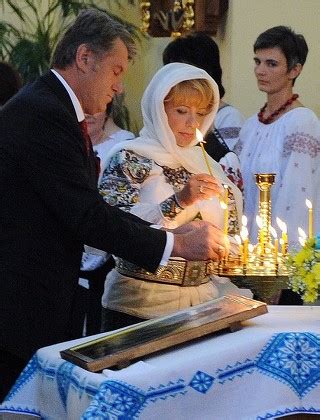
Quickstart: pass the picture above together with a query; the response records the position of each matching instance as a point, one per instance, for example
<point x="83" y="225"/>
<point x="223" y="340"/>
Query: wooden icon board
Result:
<point x="118" y="348"/>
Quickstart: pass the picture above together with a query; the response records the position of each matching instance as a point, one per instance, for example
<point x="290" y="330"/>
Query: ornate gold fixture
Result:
<point x="145" y="15"/>
<point x="175" y="20"/>
<point x="264" y="258"/>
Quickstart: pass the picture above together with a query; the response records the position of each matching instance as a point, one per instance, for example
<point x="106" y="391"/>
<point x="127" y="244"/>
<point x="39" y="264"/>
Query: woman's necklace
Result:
<point x="272" y="116"/>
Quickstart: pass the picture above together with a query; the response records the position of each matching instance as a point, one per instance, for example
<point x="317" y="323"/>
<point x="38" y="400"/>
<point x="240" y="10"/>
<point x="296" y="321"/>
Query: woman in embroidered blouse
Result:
<point x="283" y="138"/>
<point x="162" y="177"/>
<point x="200" y="50"/>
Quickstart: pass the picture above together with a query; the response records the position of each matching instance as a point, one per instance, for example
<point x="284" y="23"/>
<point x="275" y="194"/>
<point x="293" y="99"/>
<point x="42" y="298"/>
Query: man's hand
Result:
<point x="200" y="240"/>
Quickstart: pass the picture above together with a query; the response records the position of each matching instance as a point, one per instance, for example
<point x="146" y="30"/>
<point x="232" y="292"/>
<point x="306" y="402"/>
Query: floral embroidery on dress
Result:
<point x="121" y="179"/>
<point x="301" y="143"/>
<point x="177" y="178"/>
<point x="234" y="175"/>
<point x="229" y="132"/>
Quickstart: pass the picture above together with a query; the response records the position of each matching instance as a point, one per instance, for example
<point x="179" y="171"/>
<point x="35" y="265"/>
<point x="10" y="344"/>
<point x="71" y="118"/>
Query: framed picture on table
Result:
<point x="120" y="347"/>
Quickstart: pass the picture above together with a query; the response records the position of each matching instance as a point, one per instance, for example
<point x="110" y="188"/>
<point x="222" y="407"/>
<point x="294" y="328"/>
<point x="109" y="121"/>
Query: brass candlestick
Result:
<point x="261" y="267"/>
<point x="264" y="182"/>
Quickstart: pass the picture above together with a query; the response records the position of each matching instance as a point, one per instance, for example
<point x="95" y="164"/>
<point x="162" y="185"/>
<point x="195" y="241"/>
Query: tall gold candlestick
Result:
<point x="265" y="182"/>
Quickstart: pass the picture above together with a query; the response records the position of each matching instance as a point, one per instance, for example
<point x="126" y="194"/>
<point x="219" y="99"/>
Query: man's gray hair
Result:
<point x="95" y="29"/>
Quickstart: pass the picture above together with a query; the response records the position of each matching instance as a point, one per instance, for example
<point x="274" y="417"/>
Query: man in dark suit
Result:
<point x="50" y="205"/>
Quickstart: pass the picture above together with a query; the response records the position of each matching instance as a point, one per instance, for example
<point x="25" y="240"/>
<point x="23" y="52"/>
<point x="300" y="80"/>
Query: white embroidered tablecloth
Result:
<point x="268" y="369"/>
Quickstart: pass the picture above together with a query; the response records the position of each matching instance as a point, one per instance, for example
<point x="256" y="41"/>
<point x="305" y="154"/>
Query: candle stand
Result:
<point x="262" y="268"/>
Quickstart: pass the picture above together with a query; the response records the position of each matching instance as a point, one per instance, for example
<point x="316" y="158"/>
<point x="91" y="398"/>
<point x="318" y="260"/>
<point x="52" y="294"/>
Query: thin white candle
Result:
<point x="199" y="137"/>
<point x="276" y="243"/>
<point x="284" y="236"/>
<point x="244" y="236"/>
<point x="310" y="224"/>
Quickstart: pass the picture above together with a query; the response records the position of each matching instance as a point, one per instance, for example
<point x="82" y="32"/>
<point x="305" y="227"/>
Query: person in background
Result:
<point x="162" y="177"/>
<point x="10" y="82"/>
<point x="283" y="137"/>
<point x="202" y="51"/>
<point x="95" y="264"/>
<point x="50" y="203"/>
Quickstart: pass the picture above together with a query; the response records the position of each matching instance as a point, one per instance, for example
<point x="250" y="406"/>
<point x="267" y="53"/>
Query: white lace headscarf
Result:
<point x="157" y="141"/>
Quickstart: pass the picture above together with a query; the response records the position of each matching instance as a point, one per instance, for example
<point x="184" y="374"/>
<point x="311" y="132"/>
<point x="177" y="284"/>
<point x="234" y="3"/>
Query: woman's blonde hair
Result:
<point x="195" y="92"/>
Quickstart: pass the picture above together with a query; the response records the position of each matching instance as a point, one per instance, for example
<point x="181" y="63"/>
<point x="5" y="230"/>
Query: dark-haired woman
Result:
<point x="283" y="138"/>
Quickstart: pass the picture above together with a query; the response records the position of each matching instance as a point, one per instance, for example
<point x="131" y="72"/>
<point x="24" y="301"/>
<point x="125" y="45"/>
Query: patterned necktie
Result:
<point x="88" y="144"/>
<point x="86" y="137"/>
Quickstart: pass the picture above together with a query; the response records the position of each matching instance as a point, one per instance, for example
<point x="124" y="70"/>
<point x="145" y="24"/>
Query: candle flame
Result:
<point x="308" y="204"/>
<point x="223" y="205"/>
<point x="244" y="233"/>
<point x="199" y="136"/>
<point x="273" y="232"/>
<point x="259" y="221"/>
<point x="302" y="241"/>
<point x="244" y="220"/>
<point x="302" y="233"/>
<point x="279" y="223"/>
<point x="282" y="225"/>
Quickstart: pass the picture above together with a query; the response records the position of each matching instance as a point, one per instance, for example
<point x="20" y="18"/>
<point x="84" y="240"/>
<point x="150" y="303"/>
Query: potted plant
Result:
<point x="28" y="44"/>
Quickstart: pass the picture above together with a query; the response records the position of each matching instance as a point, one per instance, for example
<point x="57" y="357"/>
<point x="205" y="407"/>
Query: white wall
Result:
<point x="244" y="21"/>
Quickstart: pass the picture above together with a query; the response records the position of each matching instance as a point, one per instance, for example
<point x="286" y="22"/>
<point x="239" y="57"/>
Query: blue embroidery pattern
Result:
<point x="115" y="400"/>
<point x="201" y="382"/>
<point x="26" y="375"/>
<point x="290" y="358"/>
<point x="64" y="375"/>
<point x="294" y="359"/>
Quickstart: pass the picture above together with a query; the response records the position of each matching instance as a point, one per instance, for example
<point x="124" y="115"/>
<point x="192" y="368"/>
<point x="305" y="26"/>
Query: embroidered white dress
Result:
<point x="142" y="176"/>
<point x="137" y="184"/>
<point x="229" y="121"/>
<point x="290" y="148"/>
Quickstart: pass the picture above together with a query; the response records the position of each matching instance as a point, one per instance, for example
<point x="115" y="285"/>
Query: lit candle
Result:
<point x="284" y="236"/>
<point x="199" y="137"/>
<point x="244" y="236"/>
<point x="276" y="243"/>
<point x="244" y="220"/>
<point x="302" y="236"/>
<point x="309" y="205"/>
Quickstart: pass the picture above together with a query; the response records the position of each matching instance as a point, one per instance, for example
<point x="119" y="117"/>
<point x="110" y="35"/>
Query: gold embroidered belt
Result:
<point x="178" y="271"/>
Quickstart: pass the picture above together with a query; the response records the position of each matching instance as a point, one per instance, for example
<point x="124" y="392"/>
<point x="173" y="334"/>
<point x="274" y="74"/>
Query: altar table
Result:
<point x="268" y="369"/>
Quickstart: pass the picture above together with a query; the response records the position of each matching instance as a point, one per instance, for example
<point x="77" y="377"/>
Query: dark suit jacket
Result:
<point x="50" y="207"/>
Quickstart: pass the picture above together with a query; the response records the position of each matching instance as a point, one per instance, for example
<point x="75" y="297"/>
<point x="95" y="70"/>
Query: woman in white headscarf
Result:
<point x="162" y="177"/>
